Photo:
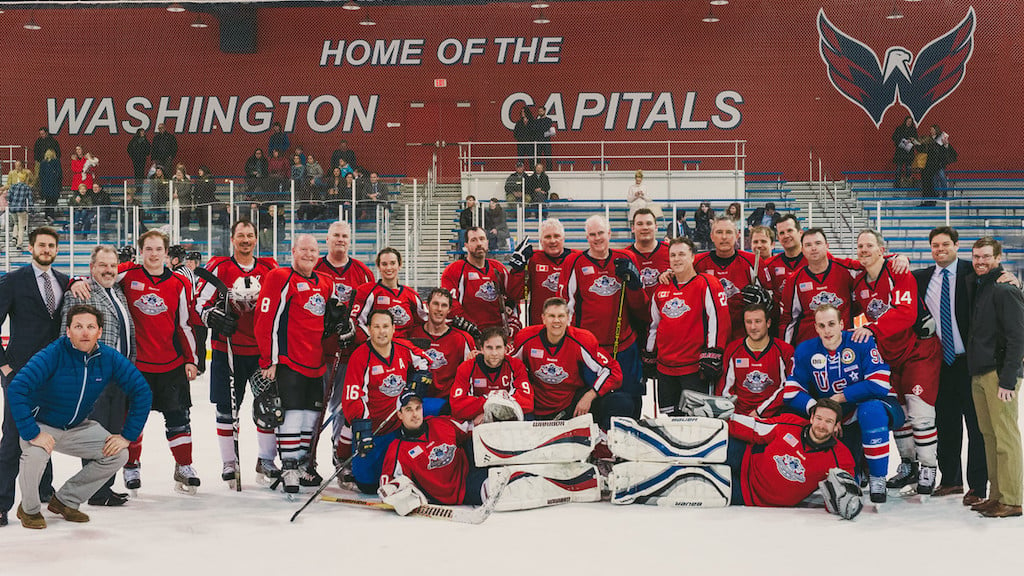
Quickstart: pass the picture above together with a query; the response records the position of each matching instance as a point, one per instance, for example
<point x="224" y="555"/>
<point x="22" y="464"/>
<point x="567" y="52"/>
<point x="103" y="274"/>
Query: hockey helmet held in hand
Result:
<point x="267" y="411"/>
<point x="244" y="294"/>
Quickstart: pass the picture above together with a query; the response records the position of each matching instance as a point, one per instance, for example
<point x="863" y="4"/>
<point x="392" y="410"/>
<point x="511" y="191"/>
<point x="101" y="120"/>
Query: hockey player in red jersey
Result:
<point x="780" y="461"/>
<point x="289" y="331"/>
<point x="535" y="275"/>
<point x="733" y="268"/>
<point x="241" y="273"/>
<point x="780" y="266"/>
<point x="379" y="370"/>
<point x="762" y="241"/>
<point x="755" y="367"/>
<point x="446" y="346"/>
<point x="491" y="371"/>
<point x="569" y="372"/>
<point x="605" y="296"/>
<point x="889" y="301"/>
<point x="689" y="330"/>
<point x="387" y="294"/>
<point x="479" y="287"/>
<point x="651" y="255"/>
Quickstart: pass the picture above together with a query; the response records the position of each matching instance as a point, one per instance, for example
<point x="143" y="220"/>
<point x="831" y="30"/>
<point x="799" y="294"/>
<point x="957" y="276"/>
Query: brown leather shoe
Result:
<point x="70" y="514"/>
<point x="1002" y="511"/>
<point x="986" y="505"/>
<point x="944" y="490"/>
<point x="32" y="521"/>
<point x="972" y="498"/>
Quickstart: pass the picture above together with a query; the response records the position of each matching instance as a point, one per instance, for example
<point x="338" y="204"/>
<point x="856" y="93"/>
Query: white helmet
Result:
<point x="244" y="294"/>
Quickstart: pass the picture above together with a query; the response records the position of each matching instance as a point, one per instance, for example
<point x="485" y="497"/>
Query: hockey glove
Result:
<point x="650" y="363"/>
<point x="754" y="294"/>
<point x="221" y="322"/>
<point x="420" y="382"/>
<point x="924" y="327"/>
<point x="693" y="403"/>
<point x="346" y="333"/>
<point x="711" y="364"/>
<point x="519" y="259"/>
<point x="466" y="326"/>
<point x="337" y="318"/>
<point x="626" y="271"/>
<point x="842" y="494"/>
<point x="514" y="323"/>
<point x="362" y="436"/>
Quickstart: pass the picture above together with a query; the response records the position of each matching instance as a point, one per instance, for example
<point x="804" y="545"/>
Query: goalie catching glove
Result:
<point x="711" y="364"/>
<point x="402" y="495"/>
<point x="501" y="407"/>
<point x="221" y="322"/>
<point x="841" y="493"/>
<point x="517" y="262"/>
<point x="693" y="403"/>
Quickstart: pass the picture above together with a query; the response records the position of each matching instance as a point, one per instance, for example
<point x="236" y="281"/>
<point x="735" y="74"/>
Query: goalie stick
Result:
<point x="222" y="289"/>
<point x="461" y="514"/>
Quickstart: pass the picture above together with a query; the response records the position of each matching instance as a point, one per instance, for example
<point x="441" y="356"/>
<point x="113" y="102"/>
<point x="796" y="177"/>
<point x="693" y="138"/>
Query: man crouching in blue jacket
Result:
<point x="51" y="398"/>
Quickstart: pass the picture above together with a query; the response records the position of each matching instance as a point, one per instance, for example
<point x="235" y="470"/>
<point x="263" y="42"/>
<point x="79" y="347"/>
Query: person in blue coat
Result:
<point x="50" y="400"/>
<point x="853" y="374"/>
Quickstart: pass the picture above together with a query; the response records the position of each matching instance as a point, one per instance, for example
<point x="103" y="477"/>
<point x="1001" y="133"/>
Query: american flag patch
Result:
<point x="542" y="267"/>
<point x="473" y="276"/>
<point x="377" y="370"/>
<point x="806" y="286"/>
<point x="479" y="382"/>
<point x="416" y="451"/>
<point x="136" y="285"/>
<point x="383" y="300"/>
<point x="790" y="439"/>
<point x="742" y="362"/>
<point x="588" y="270"/>
<point x="536" y="353"/>
<point x="780" y="271"/>
<point x="864" y="293"/>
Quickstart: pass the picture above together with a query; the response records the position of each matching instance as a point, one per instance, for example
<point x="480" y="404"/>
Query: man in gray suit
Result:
<point x="119" y="333"/>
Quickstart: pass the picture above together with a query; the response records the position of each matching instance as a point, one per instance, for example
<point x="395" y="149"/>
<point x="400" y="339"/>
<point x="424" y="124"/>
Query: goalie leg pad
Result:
<point x="537" y="442"/>
<point x="537" y="485"/>
<point x="681" y="440"/>
<point x="658" y="484"/>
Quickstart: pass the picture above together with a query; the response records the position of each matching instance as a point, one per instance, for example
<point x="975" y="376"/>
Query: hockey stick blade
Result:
<point x="213" y="279"/>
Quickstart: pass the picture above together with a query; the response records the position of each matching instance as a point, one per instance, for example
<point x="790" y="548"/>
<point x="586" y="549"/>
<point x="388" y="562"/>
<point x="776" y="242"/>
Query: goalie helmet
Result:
<point x="267" y="411"/>
<point x="244" y="294"/>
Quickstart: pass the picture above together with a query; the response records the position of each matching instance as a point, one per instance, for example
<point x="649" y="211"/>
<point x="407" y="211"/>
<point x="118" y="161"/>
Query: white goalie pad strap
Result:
<point x="657" y="484"/>
<point x="501" y="407"/>
<point x="537" y="485"/>
<point x="682" y="440"/>
<point x="538" y="442"/>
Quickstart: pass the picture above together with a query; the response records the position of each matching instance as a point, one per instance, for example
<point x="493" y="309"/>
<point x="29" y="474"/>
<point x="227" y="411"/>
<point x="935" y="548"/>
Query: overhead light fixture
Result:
<point x="895" y="14"/>
<point x="719" y="2"/>
<point x="351" y="5"/>
<point x="31" y="24"/>
<point x="199" y="23"/>
<point x="710" y="18"/>
<point x="175" y="8"/>
<point x="541" y="18"/>
<point x="539" y="5"/>
<point x="367" y="21"/>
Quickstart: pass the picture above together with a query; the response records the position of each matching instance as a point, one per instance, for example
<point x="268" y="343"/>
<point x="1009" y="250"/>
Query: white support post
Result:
<point x="406" y="230"/>
<point x="97" y="225"/>
<point x="256" y="221"/>
<point x="947" y="212"/>
<point x="675" y="219"/>
<point x="439" y="248"/>
<point x="415" y="257"/>
<point x="741" y="229"/>
<point x="71" y="239"/>
<point x="810" y="214"/>
<point x="878" y="216"/>
<point x="7" y="243"/>
<point x="120" y="238"/>
<point x="231" y="201"/>
<point x="292" y="227"/>
<point x="209" y="232"/>
<point x="273" y="239"/>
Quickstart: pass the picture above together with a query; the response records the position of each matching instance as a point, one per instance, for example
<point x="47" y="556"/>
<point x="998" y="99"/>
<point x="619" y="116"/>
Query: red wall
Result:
<point x="766" y="51"/>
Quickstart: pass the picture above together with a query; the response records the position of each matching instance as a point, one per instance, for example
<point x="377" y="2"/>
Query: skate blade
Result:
<point x="232" y="484"/>
<point x="133" y="493"/>
<point x="184" y="489"/>
<point x="264" y="480"/>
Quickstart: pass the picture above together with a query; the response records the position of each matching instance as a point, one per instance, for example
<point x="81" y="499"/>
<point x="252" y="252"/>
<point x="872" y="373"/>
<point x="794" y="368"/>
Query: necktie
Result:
<point x="122" y="333"/>
<point x="946" y="321"/>
<point x="51" y="300"/>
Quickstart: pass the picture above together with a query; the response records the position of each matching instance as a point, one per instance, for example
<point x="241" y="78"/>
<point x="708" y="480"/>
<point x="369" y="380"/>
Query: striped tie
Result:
<point x="51" y="299"/>
<point x="946" y="320"/>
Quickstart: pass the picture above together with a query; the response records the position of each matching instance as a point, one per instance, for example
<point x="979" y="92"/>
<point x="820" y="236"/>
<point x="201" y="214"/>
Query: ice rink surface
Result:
<point x="221" y="532"/>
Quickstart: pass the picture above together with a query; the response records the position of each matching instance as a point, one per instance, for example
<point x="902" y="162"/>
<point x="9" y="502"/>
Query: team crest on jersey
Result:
<point x="488" y="292"/>
<point x="729" y="288"/>
<point x="757" y="382"/>
<point x="392" y="385"/>
<point x="316" y="304"/>
<point x="151" y="304"/>
<point x="848" y="356"/>
<point x="876" y="308"/>
<point x="441" y="456"/>
<point x="675" y="308"/>
<point x="551" y="282"/>
<point x="649" y="277"/>
<point x="825" y="298"/>
<point x="437" y="359"/>
<point x="605" y="286"/>
<point x="551" y="373"/>
<point x="790" y="467"/>
<point x="342" y="293"/>
<point x="401" y="316"/>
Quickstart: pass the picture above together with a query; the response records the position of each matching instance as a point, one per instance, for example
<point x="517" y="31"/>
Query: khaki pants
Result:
<point x="998" y="423"/>
<point x="21" y="219"/>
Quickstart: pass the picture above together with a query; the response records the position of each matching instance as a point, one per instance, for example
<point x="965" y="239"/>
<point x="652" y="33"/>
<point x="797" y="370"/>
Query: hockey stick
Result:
<point x="222" y="289"/>
<point x="320" y="419"/>
<point x="618" y="321"/>
<point x="340" y="467"/>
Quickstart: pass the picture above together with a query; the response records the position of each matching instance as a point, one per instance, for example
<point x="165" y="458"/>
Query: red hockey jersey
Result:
<point x="805" y="291"/>
<point x="734" y="273"/>
<point x="558" y="370"/>
<point x="651" y="265"/>
<point x="434" y="460"/>
<point x="404" y="303"/>
<point x="475" y="379"/>
<point x="756" y="378"/>
<point x="544" y="274"/>
<point x="162" y="310"/>
<point x="781" y="466"/>
<point x="477" y="292"/>
<point x="685" y="320"/>
<point x="345" y="279"/>
<point x="593" y="292"/>
<point x="243" y="341"/>
<point x="776" y="270"/>
<point x="446" y="353"/>
<point x="290" y="320"/>
<point x="373" y="383"/>
<point x="890" y="305"/>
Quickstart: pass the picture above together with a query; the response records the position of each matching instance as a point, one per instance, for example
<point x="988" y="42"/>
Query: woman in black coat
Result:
<point x="256" y="171"/>
<point x="523" y="133"/>
<point x="702" y="225"/>
<point x="50" y="177"/>
<point x="138" y="151"/>
<point x="904" y="138"/>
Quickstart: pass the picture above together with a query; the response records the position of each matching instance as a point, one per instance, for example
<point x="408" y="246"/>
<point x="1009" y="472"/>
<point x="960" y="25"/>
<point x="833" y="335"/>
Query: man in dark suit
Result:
<point x="31" y="296"/>
<point x="764" y="216"/>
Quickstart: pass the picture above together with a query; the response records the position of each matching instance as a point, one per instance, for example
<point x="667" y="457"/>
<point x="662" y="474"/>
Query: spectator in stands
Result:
<point x="514" y="184"/>
<point x="165" y="147"/>
<point x="496" y="226"/>
<point x="43" y="143"/>
<point x="89" y="169"/>
<point x="343" y="152"/>
<point x="101" y="198"/>
<point x="204" y="189"/>
<point x="637" y="197"/>
<point x="345" y="167"/>
<point x="138" y="151"/>
<point x="19" y="203"/>
<point x="702" y="225"/>
<point x="82" y="202"/>
<point x="51" y="178"/>
<point x="904" y="138"/>
<point x="17" y="174"/>
<point x="933" y="175"/>
<point x="77" y="163"/>
<point x="733" y="212"/>
<point x="543" y="129"/>
<point x="278" y="140"/>
<point x="765" y="216"/>
<point x="538" y="184"/>
<point x="373" y="192"/>
<point x="523" y="133"/>
<point x="298" y="175"/>
<point x="256" y="172"/>
<point x="335" y="191"/>
<point x="467" y="218"/>
<point x="159" y="187"/>
<point x="301" y="153"/>
<point x="280" y="171"/>
<point x="182" y="185"/>
<point x="314" y="176"/>
<point x="679" y="228"/>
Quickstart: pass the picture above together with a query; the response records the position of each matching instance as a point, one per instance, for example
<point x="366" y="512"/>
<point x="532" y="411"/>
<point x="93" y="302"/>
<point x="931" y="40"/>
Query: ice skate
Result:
<point x="267" y="471"/>
<point x="926" y="482"/>
<point x="876" y="488"/>
<point x="132" y="479"/>
<point x="309" y="478"/>
<point x="906" y="475"/>
<point x="290" y="477"/>
<point x="229" y="474"/>
<point x="185" y="479"/>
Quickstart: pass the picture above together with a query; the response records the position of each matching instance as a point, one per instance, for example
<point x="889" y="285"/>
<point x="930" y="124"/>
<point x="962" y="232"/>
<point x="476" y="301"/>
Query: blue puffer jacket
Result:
<point x="60" y="384"/>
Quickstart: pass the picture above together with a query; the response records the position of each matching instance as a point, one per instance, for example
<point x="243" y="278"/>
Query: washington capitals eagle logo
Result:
<point x="918" y="83"/>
